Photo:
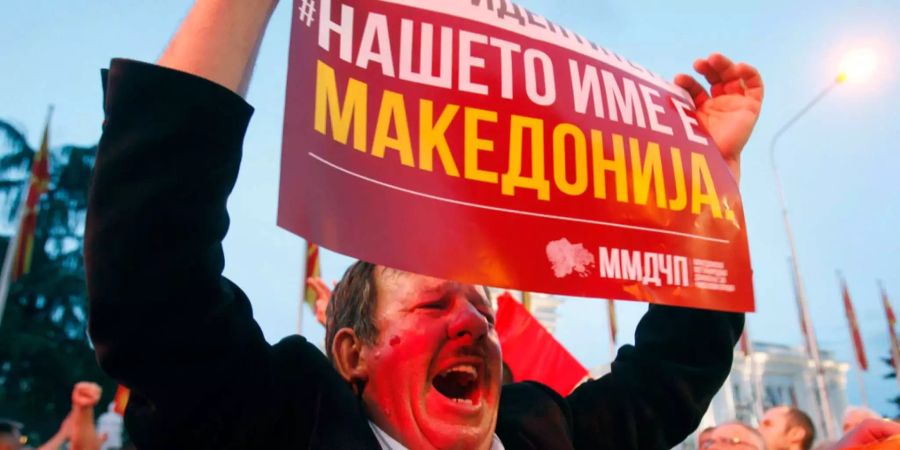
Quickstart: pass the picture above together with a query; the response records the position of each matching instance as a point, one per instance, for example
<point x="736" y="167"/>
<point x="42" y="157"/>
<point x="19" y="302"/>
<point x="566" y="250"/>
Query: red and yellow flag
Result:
<point x="120" y="400"/>
<point x="855" y="336"/>
<point x="37" y="186"/>
<point x="312" y="271"/>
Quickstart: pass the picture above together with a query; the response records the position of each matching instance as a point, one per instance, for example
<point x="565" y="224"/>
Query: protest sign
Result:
<point x="476" y="141"/>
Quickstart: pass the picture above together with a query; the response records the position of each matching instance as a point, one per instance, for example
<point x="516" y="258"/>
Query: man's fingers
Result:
<point x="703" y="67"/>
<point x="726" y="77"/>
<point x="753" y="84"/>
<point x="693" y="87"/>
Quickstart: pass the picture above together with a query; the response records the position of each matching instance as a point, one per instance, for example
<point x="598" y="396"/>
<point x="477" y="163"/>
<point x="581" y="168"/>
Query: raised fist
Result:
<point x="86" y="395"/>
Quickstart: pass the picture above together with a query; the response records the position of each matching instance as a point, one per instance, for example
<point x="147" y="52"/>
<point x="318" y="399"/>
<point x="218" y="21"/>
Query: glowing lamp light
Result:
<point x="857" y="65"/>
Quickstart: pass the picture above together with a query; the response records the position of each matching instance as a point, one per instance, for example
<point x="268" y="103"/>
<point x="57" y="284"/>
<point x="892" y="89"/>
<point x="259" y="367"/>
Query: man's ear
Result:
<point x="347" y="351"/>
<point x="796" y="434"/>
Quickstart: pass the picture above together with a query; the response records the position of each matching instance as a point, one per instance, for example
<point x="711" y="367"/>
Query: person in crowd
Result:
<point x="732" y="435"/>
<point x="787" y="428"/>
<point x="855" y="415"/>
<point x="871" y="434"/>
<point x="704" y="435"/>
<point x="413" y="361"/>
<point x="77" y="429"/>
<point x="10" y="435"/>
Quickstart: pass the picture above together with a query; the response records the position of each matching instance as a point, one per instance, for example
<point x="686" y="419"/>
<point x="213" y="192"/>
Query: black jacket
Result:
<point x="165" y="322"/>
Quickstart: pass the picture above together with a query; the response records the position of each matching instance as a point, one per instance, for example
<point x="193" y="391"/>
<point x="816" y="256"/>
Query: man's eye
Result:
<point x="437" y="304"/>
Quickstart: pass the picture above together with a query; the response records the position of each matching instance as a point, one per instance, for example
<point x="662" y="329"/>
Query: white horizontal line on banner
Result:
<point x="515" y="211"/>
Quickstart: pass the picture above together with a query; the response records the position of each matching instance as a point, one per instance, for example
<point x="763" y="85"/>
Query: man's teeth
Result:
<point x="463" y="368"/>
<point x="463" y="401"/>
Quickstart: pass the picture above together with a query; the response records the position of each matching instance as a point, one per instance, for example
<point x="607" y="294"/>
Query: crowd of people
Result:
<point x="789" y="428"/>
<point x="76" y="432"/>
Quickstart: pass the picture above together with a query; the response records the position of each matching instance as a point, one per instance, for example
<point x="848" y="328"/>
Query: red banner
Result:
<point x="479" y="142"/>
<point x="531" y="352"/>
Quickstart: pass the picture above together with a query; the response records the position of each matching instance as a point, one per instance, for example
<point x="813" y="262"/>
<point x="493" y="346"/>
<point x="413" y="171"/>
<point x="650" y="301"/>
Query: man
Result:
<point x="787" y="428"/>
<point x="855" y="415"/>
<point x="414" y="361"/>
<point x="733" y="435"/>
<point x="10" y="436"/>
<point x="704" y="436"/>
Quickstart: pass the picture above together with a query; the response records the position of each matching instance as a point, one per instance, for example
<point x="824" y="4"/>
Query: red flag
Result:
<point x="854" y="328"/>
<point x="613" y="329"/>
<point x="120" y="400"/>
<point x="312" y="271"/>
<point x="530" y="350"/>
<point x="892" y="322"/>
<point x="37" y="186"/>
<point x="892" y="319"/>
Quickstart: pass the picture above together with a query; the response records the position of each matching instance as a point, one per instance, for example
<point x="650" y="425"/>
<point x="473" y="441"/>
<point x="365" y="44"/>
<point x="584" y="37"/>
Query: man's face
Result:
<point x="774" y="428"/>
<point x="434" y="372"/>
<point x="732" y="436"/>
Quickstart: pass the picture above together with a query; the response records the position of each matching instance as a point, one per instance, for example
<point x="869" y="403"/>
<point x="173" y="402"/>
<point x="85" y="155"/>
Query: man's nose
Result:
<point x="468" y="322"/>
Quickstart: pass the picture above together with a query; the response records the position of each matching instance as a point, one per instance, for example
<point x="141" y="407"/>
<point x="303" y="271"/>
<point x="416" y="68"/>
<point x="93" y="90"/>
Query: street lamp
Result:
<point x="856" y="65"/>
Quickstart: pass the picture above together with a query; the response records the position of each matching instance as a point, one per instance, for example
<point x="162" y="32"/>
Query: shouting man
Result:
<point x="413" y="361"/>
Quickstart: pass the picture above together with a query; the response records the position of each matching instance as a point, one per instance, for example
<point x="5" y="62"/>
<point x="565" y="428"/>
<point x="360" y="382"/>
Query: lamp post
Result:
<point x="809" y="334"/>
<point x="856" y="65"/>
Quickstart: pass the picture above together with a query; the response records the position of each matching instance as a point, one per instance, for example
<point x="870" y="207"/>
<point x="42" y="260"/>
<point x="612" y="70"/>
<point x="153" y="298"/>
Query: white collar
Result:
<point x="389" y="443"/>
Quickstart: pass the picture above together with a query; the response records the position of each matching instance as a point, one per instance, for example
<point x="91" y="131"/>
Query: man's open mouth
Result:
<point x="460" y="384"/>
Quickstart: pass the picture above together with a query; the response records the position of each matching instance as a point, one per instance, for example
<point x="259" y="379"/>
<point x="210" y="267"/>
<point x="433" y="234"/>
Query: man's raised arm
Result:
<point x="658" y="389"/>
<point x="219" y="41"/>
<point x="163" y="320"/>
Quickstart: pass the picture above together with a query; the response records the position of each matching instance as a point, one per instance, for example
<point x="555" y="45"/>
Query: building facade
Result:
<point x="784" y="375"/>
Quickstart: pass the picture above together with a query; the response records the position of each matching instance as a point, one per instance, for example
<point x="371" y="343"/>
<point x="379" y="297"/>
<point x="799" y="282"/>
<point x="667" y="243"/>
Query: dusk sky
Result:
<point x="838" y="163"/>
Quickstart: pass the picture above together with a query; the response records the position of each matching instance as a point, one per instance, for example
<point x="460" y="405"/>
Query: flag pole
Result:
<point x="611" y="314"/>
<point x="9" y="258"/>
<point x="812" y="345"/>
<point x="755" y="375"/>
<point x="862" y="386"/>
<point x="855" y="338"/>
<point x="303" y="287"/>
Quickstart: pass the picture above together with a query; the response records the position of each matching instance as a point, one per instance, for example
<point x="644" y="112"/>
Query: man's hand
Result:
<point x="323" y="296"/>
<point x="219" y="40"/>
<point x="86" y="395"/>
<point x="731" y="107"/>
<point x="83" y="436"/>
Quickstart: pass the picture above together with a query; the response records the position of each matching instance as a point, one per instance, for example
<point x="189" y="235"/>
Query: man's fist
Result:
<point x="86" y="395"/>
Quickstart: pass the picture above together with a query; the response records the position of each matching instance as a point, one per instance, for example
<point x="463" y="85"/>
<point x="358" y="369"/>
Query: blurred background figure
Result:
<point x="871" y="434"/>
<point x="10" y="435"/>
<point x="855" y="415"/>
<point x="83" y="435"/>
<point x="704" y="435"/>
<point x="732" y="435"/>
<point x="111" y="425"/>
<point x="787" y="428"/>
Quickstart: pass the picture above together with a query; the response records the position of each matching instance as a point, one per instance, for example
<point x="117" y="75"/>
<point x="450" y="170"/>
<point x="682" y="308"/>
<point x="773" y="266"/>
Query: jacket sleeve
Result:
<point x="163" y="320"/>
<point x="658" y="389"/>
